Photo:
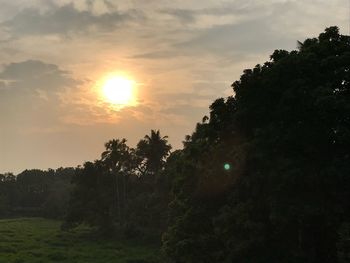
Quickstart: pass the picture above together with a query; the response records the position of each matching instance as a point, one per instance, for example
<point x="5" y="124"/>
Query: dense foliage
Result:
<point x="35" y="193"/>
<point x="286" y="135"/>
<point x="125" y="191"/>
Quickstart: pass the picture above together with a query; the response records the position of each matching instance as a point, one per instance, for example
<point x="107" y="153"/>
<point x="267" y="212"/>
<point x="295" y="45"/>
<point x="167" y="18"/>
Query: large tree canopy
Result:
<point x="285" y="135"/>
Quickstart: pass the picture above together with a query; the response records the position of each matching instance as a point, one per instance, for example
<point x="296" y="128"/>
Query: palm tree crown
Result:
<point x="153" y="150"/>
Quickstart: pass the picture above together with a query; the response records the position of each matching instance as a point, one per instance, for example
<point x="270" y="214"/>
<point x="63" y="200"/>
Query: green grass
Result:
<point x="29" y="240"/>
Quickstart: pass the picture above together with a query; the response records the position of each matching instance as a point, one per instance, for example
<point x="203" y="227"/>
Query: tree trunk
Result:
<point x="117" y="198"/>
<point x="125" y="190"/>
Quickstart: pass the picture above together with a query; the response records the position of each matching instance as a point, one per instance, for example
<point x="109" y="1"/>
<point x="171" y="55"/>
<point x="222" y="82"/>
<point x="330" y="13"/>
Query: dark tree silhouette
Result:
<point x="117" y="158"/>
<point x="36" y="193"/>
<point x="111" y="191"/>
<point x="92" y="199"/>
<point x="152" y="152"/>
<point x="286" y="134"/>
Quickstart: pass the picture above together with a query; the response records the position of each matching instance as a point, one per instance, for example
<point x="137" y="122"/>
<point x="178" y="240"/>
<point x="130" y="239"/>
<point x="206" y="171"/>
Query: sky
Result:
<point x="181" y="56"/>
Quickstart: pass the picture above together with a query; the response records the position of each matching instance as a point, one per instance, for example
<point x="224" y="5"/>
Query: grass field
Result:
<point x="28" y="240"/>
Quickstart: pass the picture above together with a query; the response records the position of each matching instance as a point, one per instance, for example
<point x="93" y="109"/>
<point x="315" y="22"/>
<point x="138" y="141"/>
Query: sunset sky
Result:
<point x="179" y="55"/>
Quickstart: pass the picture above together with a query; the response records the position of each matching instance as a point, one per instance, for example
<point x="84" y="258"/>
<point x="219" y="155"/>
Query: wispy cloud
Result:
<point x="66" y="19"/>
<point x="34" y="74"/>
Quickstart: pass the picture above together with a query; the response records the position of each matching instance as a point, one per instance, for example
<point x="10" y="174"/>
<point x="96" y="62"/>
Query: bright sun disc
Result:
<point x="118" y="90"/>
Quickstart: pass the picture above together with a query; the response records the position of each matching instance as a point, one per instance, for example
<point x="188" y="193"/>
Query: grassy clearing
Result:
<point x="28" y="240"/>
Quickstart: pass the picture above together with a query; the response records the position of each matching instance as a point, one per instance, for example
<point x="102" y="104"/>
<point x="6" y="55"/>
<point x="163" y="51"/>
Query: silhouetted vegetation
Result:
<point x="286" y="135"/>
<point x="126" y="191"/>
<point x="35" y="193"/>
<point x="263" y="178"/>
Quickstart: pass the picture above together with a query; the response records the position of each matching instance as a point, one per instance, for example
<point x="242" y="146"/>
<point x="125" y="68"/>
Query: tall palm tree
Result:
<point x="117" y="158"/>
<point x="152" y="151"/>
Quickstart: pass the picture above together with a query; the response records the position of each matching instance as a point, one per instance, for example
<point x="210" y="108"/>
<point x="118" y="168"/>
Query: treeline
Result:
<point x="285" y="134"/>
<point x="36" y="193"/>
<point x="264" y="178"/>
<point x="126" y="191"/>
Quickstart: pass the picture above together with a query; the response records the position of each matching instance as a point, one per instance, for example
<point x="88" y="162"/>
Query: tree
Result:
<point x="91" y="200"/>
<point x="117" y="158"/>
<point x="36" y="192"/>
<point x="286" y="134"/>
<point x="152" y="152"/>
<point x="110" y="191"/>
<point x="148" y="207"/>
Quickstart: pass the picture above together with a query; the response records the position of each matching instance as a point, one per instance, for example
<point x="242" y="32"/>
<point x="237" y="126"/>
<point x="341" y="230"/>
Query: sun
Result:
<point x="118" y="90"/>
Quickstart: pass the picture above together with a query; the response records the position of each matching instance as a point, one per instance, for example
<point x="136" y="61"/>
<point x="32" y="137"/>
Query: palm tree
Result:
<point x="117" y="158"/>
<point x="152" y="152"/>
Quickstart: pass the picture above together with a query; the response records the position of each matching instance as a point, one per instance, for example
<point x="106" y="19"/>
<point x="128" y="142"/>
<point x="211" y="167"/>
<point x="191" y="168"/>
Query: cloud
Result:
<point x="30" y="94"/>
<point x="184" y="15"/>
<point x="221" y="13"/>
<point x="44" y="96"/>
<point x="255" y="31"/>
<point x="35" y="75"/>
<point x="183" y="110"/>
<point x="157" y="55"/>
<point x="236" y="29"/>
<point x="65" y="20"/>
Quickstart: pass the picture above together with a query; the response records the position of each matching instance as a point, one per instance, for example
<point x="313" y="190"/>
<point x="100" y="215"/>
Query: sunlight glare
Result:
<point x="118" y="90"/>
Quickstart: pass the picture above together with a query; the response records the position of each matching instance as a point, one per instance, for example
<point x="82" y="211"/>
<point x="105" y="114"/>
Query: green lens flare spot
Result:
<point x="227" y="166"/>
